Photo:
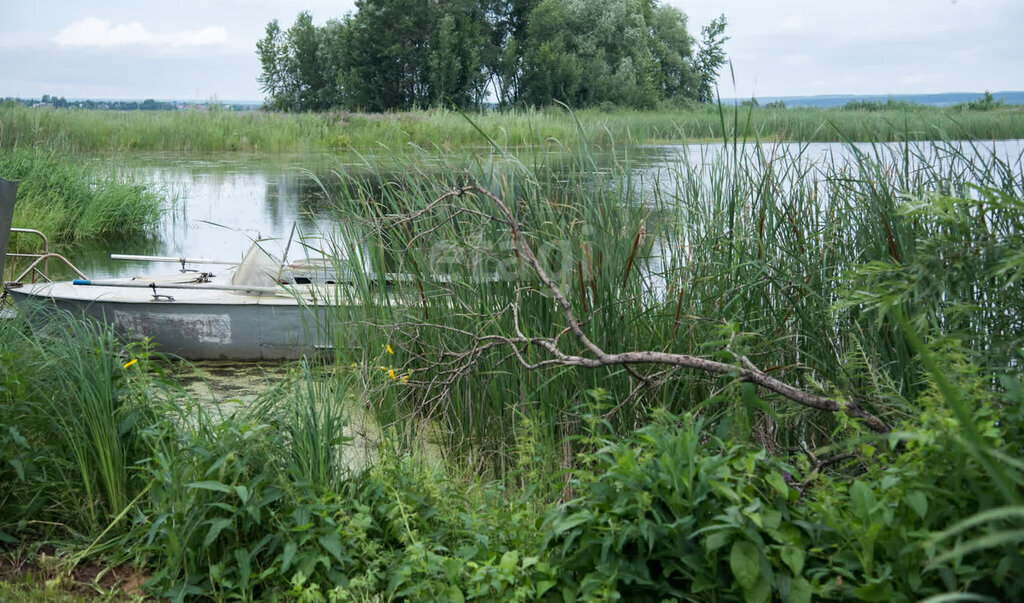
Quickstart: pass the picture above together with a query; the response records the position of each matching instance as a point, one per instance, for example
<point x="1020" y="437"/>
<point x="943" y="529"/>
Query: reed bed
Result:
<point x="73" y="412"/>
<point x="754" y="252"/>
<point x="81" y="131"/>
<point x="887" y="280"/>
<point x="72" y="201"/>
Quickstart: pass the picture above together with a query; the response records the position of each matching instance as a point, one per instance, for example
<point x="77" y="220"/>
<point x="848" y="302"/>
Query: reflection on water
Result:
<point x="217" y="212"/>
<point x="659" y="167"/>
<point x="221" y="205"/>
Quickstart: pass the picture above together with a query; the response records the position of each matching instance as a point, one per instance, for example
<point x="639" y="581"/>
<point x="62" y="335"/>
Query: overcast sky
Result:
<point x="201" y="49"/>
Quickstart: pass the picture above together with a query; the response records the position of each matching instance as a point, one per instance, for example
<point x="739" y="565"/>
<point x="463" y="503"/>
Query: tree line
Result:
<point x="406" y="54"/>
<point x="117" y="105"/>
<point x="121" y="105"/>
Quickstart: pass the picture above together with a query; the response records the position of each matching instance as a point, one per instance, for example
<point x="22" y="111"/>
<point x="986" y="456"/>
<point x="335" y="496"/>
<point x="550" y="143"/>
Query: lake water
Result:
<point x="220" y="204"/>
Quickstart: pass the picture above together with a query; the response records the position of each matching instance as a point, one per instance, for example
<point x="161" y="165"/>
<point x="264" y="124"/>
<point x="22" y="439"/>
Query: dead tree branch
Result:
<point x="596" y="356"/>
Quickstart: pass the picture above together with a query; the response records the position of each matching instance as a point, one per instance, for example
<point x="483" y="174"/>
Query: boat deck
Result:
<point x="168" y="289"/>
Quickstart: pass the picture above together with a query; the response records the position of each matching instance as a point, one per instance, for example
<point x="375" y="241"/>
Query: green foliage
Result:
<point x="232" y="522"/>
<point x="959" y="278"/>
<point x="70" y="201"/>
<point x="882" y="523"/>
<point x="710" y="57"/>
<point x="986" y="102"/>
<point x="387" y="56"/>
<point x="71" y="418"/>
<point x="402" y="55"/>
<point x="672" y="513"/>
<point x="604" y="51"/>
<point x="310" y="410"/>
<point x="220" y="508"/>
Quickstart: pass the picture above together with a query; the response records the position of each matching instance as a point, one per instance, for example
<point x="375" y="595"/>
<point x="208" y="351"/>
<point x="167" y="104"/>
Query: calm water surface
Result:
<point x="219" y="205"/>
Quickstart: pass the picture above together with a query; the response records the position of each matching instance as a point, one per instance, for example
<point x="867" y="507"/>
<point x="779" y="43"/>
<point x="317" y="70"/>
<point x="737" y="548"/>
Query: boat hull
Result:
<point x="199" y="325"/>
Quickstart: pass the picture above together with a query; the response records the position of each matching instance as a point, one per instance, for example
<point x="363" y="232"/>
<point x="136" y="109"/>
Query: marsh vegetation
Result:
<point x="197" y="132"/>
<point x="72" y="201"/>
<point x="753" y="369"/>
<point x="505" y="467"/>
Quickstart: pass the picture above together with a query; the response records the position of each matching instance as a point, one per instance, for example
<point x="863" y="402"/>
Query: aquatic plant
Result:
<point x="752" y="256"/>
<point x="87" y="131"/>
<point x="72" y="202"/>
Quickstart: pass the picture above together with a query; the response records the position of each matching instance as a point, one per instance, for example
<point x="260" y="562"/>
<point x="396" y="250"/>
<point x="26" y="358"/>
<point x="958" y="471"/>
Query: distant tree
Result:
<point x="401" y="54"/>
<point x="624" y="52"/>
<point x="551" y="67"/>
<point x="331" y="56"/>
<point x="588" y="52"/>
<point x="504" y="59"/>
<point x="274" y="78"/>
<point x="672" y="48"/>
<point x="300" y="66"/>
<point x="710" y="57"/>
<point x="985" y="102"/>
<point x="386" y="54"/>
<point x="309" y="72"/>
<point x="459" y="47"/>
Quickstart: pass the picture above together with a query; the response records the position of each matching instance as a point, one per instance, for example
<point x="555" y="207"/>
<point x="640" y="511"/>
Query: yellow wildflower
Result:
<point x="390" y="351"/>
<point x="130" y="362"/>
<point x="405" y="378"/>
<point x="391" y="373"/>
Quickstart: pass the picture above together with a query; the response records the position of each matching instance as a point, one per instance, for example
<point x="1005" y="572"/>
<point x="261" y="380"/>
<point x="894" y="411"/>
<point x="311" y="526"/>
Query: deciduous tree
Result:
<point x="403" y="54"/>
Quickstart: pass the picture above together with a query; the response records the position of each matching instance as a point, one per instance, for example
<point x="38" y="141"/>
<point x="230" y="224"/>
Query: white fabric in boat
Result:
<point x="257" y="269"/>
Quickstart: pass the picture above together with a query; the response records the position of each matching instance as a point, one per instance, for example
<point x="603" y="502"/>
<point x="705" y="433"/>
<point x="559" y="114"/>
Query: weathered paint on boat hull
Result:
<point x="201" y="325"/>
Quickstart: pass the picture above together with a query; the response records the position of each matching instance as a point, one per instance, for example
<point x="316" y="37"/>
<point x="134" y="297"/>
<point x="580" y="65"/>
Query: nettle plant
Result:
<point x="675" y="512"/>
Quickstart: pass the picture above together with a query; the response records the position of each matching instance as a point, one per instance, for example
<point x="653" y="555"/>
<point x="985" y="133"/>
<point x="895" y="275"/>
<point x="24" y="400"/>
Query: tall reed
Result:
<point x="78" y="411"/>
<point x="311" y="409"/>
<point x="83" y="131"/>
<point x="70" y="201"/>
<point x="752" y="250"/>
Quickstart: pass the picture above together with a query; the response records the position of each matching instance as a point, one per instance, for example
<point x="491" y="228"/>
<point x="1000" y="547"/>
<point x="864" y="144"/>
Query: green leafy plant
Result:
<point x="672" y="512"/>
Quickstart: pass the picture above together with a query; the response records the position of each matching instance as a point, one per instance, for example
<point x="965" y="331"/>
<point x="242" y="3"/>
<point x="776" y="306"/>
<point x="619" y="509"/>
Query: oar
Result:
<point x="143" y="284"/>
<point x="166" y="258"/>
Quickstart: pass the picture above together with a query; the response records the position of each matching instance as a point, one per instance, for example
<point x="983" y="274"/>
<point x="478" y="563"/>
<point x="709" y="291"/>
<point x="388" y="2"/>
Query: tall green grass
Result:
<point x="751" y="251"/>
<point x="71" y="201"/>
<point x="77" y="409"/>
<point x="311" y="408"/>
<point x="237" y="502"/>
<point x="78" y="131"/>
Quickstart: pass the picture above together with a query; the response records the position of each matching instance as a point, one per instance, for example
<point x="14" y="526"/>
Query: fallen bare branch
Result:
<point x="596" y="357"/>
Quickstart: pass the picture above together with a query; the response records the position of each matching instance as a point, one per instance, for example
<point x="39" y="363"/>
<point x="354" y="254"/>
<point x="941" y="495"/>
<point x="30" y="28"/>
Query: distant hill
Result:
<point x="944" y="99"/>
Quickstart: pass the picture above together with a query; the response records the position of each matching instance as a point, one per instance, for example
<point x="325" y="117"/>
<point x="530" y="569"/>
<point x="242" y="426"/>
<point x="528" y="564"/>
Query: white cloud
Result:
<point x="794" y="60"/>
<point x="916" y="79"/>
<point x="791" y="24"/>
<point x="101" y="33"/>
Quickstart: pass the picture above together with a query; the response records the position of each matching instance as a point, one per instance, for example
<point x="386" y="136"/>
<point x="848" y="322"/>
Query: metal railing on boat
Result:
<point x="40" y="258"/>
